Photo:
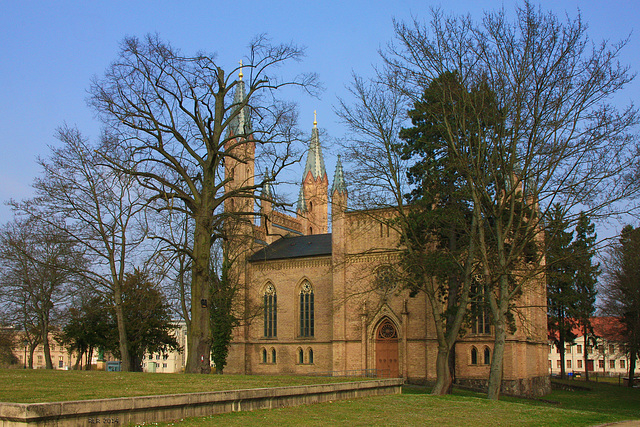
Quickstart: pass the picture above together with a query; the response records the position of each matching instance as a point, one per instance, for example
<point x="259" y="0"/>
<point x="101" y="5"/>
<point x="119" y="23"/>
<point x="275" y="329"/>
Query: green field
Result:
<point x="31" y="386"/>
<point x="602" y="403"/>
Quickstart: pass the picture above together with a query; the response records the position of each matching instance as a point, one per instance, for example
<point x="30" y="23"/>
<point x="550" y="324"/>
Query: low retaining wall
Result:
<point x="150" y="409"/>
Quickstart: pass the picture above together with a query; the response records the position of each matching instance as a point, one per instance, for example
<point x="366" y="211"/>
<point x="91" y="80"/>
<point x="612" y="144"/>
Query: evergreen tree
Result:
<point x="585" y="279"/>
<point x="561" y="292"/>
<point x="621" y="291"/>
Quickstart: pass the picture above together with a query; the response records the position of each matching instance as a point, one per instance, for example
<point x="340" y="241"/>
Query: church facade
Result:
<point x="317" y="302"/>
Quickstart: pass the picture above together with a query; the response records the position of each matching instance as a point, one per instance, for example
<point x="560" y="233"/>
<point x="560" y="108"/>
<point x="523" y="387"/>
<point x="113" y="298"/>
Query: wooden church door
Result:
<point x="387" y="350"/>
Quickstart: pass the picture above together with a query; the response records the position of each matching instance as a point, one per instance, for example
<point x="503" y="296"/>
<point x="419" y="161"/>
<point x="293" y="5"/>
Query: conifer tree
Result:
<point x="586" y="277"/>
<point x="561" y="292"/>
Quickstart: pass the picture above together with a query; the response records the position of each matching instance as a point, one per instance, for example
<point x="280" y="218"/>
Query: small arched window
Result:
<point x="310" y="230"/>
<point x="264" y="355"/>
<point x="306" y="310"/>
<point x="310" y="356"/>
<point x="474" y="356"/>
<point x="310" y="206"/>
<point x="487" y="356"/>
<point x="300" y="356"/>
<point x="270" y="312"/>
<point x="273" y="355"/>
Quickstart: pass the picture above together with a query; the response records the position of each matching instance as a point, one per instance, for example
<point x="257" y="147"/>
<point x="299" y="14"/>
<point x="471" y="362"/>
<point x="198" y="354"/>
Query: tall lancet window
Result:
<point x="306" y="309"/>
<point x="270" y="312"/>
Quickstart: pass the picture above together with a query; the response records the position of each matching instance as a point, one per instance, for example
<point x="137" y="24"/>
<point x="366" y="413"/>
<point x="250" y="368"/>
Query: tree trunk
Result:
<point x="561" y="348"/>
<point x="125" y="359"/>
<point x="586" y="357"/>
<point x="495" y="375"/>
<point x="443" y="383"/>
<point x="78" y="364"/>
<point x="632" y="367"/>
<point x="198" y="360"/>
<point x="45" y="345"/>
<point x="32" y="349"/>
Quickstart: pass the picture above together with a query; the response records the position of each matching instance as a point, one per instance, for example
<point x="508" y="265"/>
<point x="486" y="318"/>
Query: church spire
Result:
<point x="302" y="204"/>
<point x="339" y="183"/>
<point x="266" y="190"/>
<point x="241" y="123"/>
<point x="315" y="161"/>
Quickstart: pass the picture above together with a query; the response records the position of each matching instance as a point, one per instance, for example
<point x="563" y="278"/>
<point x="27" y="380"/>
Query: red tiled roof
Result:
<point x="609" y="328"/>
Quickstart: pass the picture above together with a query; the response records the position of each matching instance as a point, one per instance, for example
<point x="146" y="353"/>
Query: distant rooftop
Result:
<point x="295" y="247"/>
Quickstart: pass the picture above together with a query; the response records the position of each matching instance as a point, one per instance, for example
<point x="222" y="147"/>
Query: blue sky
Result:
<point x="50" y="51"/>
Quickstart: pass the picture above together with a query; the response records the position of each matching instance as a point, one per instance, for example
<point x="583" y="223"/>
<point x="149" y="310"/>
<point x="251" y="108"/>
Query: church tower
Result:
<point x="240" y="155"/>
<point x="313" y="201"/>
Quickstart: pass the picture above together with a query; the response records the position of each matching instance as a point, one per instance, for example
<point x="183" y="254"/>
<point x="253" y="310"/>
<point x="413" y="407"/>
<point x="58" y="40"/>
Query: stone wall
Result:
<point x="154" y="409"/>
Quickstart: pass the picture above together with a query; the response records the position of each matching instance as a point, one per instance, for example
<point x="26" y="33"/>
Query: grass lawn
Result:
<point x="412" y="410"/>
<point x="31" y="386"/>
<point x="603" y="403"/>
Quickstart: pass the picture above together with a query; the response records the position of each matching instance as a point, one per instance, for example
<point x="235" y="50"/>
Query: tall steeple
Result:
<point x="240" y="124"/>
<point x="239" y="164"/>
<point x="313" y="202"/>
<point x="315" y="161"/>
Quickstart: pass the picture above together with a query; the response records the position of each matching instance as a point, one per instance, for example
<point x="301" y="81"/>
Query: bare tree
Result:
<point x="37" y="276"/>
<point x="98" y="208"/>
<point x="620" y="291"/>
<point x="557" y="138"/>
<point x="377" y="162"/>
<point x="184" y="124"/>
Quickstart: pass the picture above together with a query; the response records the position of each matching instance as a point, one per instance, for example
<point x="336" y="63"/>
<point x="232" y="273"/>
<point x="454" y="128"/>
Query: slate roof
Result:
<point x="295" y="247"/>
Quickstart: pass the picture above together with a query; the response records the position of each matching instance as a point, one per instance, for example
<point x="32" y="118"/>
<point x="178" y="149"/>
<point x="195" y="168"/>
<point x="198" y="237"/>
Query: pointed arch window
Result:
<point x="481" y="321"/>
<point x="264" y="355"/>
<point x="311" y="356"/>
<point x="300" y="356"/>
<point x="273" y="355"/>
<point x="270" y="312"/>
<point x="474" y="356"/>
<point x="487" y="356"/>
<point x="306" y="310"/>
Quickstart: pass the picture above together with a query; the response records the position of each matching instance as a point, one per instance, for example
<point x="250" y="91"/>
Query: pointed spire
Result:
<point x="315" y="161"/>
<point x="339" y="183"/>
<point x="266" y="190"/>
<point x="241" y="124"/>
<point x="302" y="204"/>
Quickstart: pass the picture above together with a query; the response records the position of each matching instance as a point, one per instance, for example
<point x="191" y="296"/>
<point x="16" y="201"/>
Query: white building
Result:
<point x="170" y="362"/>
<point x="606" y="357"/>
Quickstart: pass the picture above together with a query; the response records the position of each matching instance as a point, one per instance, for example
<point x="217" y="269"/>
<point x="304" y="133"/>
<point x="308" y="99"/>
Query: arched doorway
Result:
<point x="387" y="350"/>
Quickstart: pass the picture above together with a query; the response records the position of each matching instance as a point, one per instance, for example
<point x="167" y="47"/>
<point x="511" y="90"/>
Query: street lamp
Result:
<point x="25" y="342"/>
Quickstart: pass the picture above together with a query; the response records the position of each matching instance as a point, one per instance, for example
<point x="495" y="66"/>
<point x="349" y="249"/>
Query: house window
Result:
<point x="559" y="364"/>
<point x="612" y="364"/>
<point x="270" y="312"/>
<point x="474" y="356"/>
<point x="569" y="364"/>
<point x="579" y="349"/>
<point x="300" y="356"/>
<point x="612" y="349"/>
<point x="601" y="364"/>
<point x="622" y="364"/>
<point x="306" y="310"/>
<point x="164" y="365"/>
<point x="310" y="356"/>
<point x="480" y="311"/>
<point x="568" y="349"/>
<point x="264" y="355"/>
<point x="487" y="356"/>
<point x="579" y="364"/>
<point x="165" y="356"/>
<point x="273" y="355"/>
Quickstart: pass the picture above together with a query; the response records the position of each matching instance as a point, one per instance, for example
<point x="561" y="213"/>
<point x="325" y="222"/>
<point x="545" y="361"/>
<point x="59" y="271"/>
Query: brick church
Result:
<point x="324" y="302"/>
